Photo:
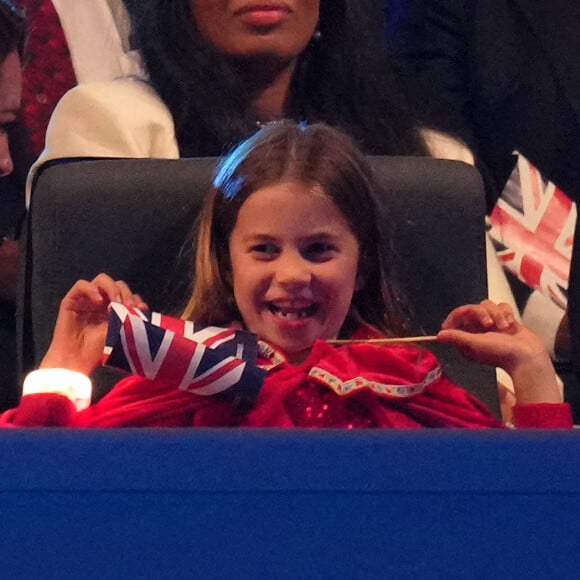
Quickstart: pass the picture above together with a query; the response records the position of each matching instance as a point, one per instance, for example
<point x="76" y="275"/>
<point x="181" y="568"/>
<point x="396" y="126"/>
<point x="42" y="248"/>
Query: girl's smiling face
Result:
<point x="294" y="264"/>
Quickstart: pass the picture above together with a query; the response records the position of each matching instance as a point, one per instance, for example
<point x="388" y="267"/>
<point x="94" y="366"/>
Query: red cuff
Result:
<point x="40" y="410"/>
<point x="543" y="416"/>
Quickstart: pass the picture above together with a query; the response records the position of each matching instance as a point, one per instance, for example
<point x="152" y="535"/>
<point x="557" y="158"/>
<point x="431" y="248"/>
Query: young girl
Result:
<point x="288" y="248"/>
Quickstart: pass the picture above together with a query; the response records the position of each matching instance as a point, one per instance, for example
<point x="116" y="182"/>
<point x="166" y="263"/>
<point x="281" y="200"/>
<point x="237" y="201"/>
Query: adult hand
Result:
<point x="488" y="333"/>
<point x="81" y="327"/>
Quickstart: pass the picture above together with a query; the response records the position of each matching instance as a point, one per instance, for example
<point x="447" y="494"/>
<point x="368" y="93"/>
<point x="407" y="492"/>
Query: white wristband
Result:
<point x="73" y="385"/>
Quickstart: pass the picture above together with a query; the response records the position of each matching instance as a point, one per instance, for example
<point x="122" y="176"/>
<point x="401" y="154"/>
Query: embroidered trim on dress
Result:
<point x="274" y="357"/>
<point x="351" y="386"/>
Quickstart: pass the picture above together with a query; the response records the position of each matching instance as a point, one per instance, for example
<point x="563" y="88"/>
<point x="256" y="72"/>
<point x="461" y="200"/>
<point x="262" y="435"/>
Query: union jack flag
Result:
<point x="208" y="361"/>
<point x="532" y="225"/>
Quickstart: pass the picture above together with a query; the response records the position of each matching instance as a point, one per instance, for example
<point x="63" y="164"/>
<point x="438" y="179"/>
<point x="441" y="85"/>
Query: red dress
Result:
<point x="356" y="386"/>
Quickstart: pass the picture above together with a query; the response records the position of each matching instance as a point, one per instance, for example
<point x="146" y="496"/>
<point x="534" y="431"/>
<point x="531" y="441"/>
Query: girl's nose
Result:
<point x="293" y="270"/>
<point x="6" y="164"/>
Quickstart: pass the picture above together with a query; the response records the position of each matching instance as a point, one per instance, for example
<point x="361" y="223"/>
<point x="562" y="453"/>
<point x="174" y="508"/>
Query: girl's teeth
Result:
<point x="292" y="315"/>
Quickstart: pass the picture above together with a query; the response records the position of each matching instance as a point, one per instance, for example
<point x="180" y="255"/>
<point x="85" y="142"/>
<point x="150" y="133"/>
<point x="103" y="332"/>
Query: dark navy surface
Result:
<point x="289" y="504"/>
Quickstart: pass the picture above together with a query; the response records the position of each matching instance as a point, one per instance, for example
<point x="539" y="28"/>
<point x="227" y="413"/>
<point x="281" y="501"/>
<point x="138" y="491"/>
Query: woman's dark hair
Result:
<point x="330" y="162"/>
<point x="12" y="30"/>
<point x="343" y="79"/>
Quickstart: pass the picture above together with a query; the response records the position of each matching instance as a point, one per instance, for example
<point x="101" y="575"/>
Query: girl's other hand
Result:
<point x="489" y="333"/>
<point x="81" y="327"/>
<point x="482" y="317"/>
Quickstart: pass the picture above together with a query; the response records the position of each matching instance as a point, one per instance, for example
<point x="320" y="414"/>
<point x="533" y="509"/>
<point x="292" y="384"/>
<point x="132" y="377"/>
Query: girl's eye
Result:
<point x="264" y="250"/>
<point x="320" y="251"/>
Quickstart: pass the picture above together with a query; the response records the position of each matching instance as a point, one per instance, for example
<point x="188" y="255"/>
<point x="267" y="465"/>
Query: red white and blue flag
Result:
<point x="532" y="226"/>
<point x="207" y="361"/>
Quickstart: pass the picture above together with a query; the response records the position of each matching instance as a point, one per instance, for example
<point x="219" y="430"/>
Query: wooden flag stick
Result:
<point x="385" y="340"/>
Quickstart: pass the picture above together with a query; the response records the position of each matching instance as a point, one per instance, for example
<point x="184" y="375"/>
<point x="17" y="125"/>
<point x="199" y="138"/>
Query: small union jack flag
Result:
<point x="532" y="226"/>
<point x="208" y="361"/>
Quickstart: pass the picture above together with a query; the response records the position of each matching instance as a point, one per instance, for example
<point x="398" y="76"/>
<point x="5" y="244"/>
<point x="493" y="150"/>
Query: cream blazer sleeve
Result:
<point x="97" y="35"/>
<point x="121" y="118"/>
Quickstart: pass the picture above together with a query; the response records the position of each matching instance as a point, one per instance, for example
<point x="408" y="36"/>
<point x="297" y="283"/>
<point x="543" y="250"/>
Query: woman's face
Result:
<point x="247" y="29"/>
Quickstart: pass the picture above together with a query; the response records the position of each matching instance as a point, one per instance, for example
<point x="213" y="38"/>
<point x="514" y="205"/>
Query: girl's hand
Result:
<point x="484" y="332"/>
<point x="489" y="333"/>
<point x="81" y="327"/>
<point x="486" y="315"/>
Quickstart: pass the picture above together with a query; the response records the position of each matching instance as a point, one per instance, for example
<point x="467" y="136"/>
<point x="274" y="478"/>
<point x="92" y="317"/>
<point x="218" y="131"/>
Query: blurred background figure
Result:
<point x="70" y="42"/>
<point x="31" y="83"/>
<point x="200" y="91"/>
<point x="15" y="159"/>
<point x="66" y="42"/>
<point x="504" y="76"/>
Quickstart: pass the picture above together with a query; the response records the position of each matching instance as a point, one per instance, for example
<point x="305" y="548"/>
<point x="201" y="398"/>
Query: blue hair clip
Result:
<point x="226" y="179"/>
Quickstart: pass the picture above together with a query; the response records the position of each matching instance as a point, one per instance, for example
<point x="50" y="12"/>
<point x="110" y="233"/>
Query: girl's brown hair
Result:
<point x="317" y="155"/>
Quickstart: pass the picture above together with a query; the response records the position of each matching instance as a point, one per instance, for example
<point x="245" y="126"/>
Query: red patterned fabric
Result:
<point x="294" y="396"/>
<point x="48" y="73"/>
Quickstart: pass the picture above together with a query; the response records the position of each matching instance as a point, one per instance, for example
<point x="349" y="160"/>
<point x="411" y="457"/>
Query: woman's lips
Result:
<point x="264" y="16"/>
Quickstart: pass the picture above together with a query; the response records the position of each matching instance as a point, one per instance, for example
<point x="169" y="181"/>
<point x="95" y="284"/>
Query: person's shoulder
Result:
<point x="119" y="118"/>
<point x="444" y="146"/>
<point x="129" y="93"/>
